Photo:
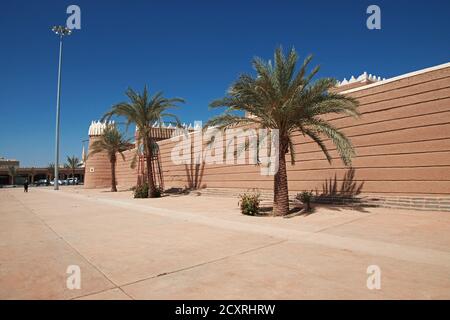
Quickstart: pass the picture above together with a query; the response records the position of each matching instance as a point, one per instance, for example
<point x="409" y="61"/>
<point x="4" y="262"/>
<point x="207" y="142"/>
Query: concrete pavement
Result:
<point x="189" y="247"/>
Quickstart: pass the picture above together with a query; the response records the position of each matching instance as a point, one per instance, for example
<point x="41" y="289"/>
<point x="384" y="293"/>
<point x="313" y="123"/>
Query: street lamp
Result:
<point x="61" y="31"/>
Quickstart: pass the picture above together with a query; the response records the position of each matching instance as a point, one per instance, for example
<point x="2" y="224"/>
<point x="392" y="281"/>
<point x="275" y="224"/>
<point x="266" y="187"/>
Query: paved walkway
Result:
<point x="188" y="247"/>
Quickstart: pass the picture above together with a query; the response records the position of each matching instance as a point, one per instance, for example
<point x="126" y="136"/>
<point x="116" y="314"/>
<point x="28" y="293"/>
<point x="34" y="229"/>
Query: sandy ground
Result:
<point x="200" y="247"/>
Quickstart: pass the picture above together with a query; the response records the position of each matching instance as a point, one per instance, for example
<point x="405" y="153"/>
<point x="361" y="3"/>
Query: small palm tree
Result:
<point x="73" y="163"/>
<point x="12" y="171"/>
<point x="112" y="142"/>
<point x="51" y="170"/>
<point x="144" y="110"/>
<point x="279" y="98"/>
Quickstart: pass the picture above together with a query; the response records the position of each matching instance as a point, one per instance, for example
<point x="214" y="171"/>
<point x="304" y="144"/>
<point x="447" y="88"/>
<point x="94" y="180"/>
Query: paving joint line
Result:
<point x="365" y="246"/>
<point x="73" y="248"/>
<point x="344" y="223"/>
<point x="116" y="286"/>
<point x="206" y="262"/>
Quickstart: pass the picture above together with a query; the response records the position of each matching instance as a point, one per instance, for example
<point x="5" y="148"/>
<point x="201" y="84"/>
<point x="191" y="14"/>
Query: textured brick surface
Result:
<point x="402" y="142"/>
<point x="101" y="176"/>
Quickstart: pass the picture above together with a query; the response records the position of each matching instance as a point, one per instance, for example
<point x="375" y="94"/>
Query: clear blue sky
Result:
<point x="191" y="49"/>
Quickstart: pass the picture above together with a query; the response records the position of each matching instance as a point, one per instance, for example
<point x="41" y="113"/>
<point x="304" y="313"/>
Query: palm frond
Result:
<point x="280" y="98"/>
<point x="316" y="138"/>
<point x="339" y="139"/>
<point x="291" y="151"/>
<point x="111" y="142"/>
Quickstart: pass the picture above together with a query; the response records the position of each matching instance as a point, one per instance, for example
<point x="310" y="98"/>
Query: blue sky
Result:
<point x="191" y="49"/>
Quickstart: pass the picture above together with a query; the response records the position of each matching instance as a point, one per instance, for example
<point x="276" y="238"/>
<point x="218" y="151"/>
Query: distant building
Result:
<point x="6" y="163"/>
<point x="33" y="174"/>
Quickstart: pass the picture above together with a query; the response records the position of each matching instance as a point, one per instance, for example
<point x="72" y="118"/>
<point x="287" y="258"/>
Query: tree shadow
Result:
<point x="194" y="175"/>
<point x="339" y="207"/>
<point x="349" y="187"/>
<point x="195" y="169"/>
<point x="345" y="196"/>
<point x="295" y="208"/>
<point x="176" y="192"/>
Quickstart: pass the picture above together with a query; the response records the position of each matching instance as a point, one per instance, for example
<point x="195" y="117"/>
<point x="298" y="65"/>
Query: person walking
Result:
<point x="25" y="186"/>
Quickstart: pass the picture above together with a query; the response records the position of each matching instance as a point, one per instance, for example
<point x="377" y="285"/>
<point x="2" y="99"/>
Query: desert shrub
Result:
<point x="305" y="197"/>
<point x="141" y="191"/>
<point x="249" y="203"/>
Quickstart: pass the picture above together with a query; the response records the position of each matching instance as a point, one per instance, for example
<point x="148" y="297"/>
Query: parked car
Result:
<point x="42" y="182"/>
<point x="60" y="183"/>
<point x="72" y="181"/>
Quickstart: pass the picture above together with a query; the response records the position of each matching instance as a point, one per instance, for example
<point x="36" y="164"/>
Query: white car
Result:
<point x="52" y="182"/>
<point x="72" y="181"/>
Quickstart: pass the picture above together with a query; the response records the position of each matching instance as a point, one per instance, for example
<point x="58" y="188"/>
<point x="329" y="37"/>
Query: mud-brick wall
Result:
<point x="98" y="169"/>
<point x="126" y="176"/>
<point x="402" y="141"/>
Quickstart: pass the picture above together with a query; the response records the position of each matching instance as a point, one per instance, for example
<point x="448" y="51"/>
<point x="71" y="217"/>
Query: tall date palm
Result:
<point x="144" y="110"/>
<point x="281" y="98"/>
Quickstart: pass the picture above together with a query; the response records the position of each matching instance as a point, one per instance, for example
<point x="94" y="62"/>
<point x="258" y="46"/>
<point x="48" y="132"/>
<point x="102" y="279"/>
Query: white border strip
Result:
<point x="406" y="75"/>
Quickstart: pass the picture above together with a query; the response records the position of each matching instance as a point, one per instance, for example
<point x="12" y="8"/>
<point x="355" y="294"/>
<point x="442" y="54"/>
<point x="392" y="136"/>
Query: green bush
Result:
<point x="249" y="203"/>
<point x="305" y="197"/>
<point x="142" y="191"/>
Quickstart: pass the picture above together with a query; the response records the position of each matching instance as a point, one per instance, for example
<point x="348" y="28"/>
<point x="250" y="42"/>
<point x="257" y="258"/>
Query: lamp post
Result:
<point x="61" y="31"/>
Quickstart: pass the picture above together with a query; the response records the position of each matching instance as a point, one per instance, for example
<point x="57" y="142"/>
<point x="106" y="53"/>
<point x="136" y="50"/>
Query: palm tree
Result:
<point x="144" y="111"/>
<point x="73" y="163"/>
<point x="12" y="171"/>
<point x="279" y="98"/>
<point x="33" y="173"/>
<point x="112" y="142"/>
<point x="51" y="171"/>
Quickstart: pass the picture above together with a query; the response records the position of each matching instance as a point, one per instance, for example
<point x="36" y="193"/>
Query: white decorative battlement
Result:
<point x="171" y="129"/>
<point x="97" y="127"/>
<point x="364" y="78"/>
<point x="196" y="126"/>
<point x="162" y="125"/>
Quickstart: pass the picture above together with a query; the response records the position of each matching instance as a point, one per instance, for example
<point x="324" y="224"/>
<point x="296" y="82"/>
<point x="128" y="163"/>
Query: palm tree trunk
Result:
<point x="113" y="173"/>
<point x="151" y="182"/>
<point x="280" y="187"/>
